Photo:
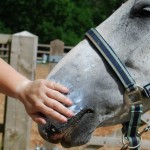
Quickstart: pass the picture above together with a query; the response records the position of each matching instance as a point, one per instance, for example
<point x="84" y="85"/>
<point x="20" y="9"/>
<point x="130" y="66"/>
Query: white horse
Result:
<point x="96" y="91"/>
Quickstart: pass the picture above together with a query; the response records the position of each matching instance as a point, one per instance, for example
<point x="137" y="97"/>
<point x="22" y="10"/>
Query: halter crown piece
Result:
<point x="133" y="94"/>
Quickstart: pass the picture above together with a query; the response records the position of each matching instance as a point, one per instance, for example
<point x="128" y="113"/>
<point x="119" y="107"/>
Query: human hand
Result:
<point x="44" y="97"/>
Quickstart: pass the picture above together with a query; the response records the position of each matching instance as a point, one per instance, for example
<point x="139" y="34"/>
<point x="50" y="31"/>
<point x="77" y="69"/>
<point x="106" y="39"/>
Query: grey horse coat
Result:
<point x="95" y="90"/>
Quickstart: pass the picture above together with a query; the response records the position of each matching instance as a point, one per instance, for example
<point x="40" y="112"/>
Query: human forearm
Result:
<point x="39" y="96"/>
<point x="10" y="79"/>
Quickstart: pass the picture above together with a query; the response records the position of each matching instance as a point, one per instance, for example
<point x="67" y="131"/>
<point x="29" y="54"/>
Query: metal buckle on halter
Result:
<point x="126" y="144"/>
<point x="135" y="97"/>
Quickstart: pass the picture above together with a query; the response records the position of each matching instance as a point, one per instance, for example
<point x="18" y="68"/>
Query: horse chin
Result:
<point x="76" y="132"/>
<point x="69" y="138"/>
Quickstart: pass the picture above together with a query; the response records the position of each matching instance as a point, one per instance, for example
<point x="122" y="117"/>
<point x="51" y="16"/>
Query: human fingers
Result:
<point x="58" y="96"/>
<point x="52" y="113"/>
<point x="56" y="86"/>
<point x="59" y="107"/>
<point x="38" y="118"/>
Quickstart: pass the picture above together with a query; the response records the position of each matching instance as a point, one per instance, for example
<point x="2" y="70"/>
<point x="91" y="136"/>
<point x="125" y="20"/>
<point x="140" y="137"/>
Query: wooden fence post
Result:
<point x="18" y="123"/>
<point x="56" y="53"/>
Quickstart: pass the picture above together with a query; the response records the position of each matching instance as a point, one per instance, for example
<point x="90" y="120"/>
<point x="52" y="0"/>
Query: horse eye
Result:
<point x="145" y="12"/>
<point x="141" y="10"/>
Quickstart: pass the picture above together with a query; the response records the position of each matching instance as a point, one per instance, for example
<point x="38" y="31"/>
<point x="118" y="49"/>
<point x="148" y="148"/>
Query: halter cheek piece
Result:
<point x="133" y="94"/>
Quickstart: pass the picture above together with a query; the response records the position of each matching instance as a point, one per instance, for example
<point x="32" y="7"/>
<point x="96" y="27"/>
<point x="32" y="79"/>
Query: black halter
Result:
<point x="130" y="129"/>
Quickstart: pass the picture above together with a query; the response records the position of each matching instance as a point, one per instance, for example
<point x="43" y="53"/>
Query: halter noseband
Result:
<point x="133" y="95"/>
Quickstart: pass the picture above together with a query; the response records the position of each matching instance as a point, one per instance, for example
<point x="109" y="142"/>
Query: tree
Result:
<point x="103" y="9"/>
<point x="67" y="20"/>
<point x="3" y="29"/>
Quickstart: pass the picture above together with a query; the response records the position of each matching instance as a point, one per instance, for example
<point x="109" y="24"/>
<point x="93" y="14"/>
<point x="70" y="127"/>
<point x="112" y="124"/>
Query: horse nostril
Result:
<point x="89" y="111"/>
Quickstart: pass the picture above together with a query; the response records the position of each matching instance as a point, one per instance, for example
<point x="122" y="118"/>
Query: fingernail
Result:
<point x="71" y="114"/>
<point x="66" y="89"/>
<point x="70" y="102"/>
<point x="63" y="119"/>
<point x="44" y="122"/>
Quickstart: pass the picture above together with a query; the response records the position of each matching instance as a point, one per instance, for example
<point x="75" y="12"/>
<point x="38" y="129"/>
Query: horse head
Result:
<point x="95" y="90"/>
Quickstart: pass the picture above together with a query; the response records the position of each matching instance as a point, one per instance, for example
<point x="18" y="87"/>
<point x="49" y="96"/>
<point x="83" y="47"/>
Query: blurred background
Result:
<point x="66" y="20"/>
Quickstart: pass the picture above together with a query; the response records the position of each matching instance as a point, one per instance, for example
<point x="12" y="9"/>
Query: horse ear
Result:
<point x="141" y="9"/>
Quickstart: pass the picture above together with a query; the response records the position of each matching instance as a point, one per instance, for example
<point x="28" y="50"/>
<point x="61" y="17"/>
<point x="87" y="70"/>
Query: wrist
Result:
<point x="21" y="89"/>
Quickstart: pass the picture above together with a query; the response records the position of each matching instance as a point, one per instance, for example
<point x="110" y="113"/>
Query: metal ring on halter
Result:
<point x="131" y="147"/>
<point x="140" y="87"/>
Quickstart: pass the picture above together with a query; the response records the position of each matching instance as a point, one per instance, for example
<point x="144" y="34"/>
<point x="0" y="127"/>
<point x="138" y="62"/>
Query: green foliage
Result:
<point x="104" y="9"/>
<point x="67" y="20"/>
<point x="3" y="29"/>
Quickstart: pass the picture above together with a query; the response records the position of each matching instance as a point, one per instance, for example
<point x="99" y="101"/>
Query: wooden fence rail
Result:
<point x="42" y="50"/>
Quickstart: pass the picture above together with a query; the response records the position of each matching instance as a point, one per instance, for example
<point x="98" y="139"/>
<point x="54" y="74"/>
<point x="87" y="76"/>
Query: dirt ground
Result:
<point x="41" y="72"/>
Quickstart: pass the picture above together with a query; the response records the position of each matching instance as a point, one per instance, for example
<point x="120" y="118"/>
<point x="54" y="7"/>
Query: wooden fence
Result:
<point x="22" y="49"/>
<point x="5" y="41"/>
<point x="49" y="53"/>
<point x="43" y="51"/>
